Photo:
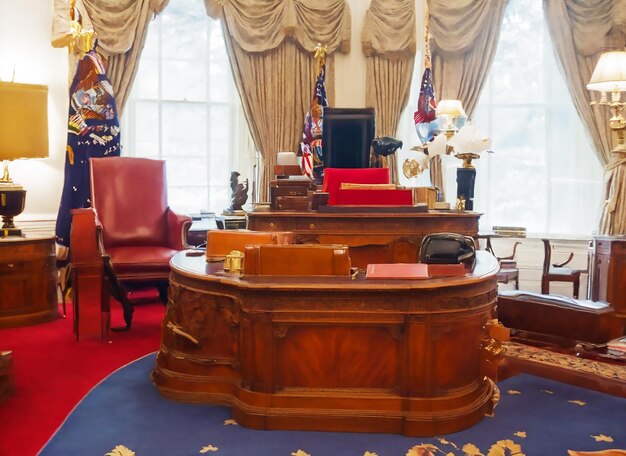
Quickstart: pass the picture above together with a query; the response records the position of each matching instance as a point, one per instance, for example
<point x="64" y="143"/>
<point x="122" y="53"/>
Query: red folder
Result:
<point x="397" y="271"/>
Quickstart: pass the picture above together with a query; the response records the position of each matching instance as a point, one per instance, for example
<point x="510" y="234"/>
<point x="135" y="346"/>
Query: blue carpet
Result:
<point x="535" y="417"/>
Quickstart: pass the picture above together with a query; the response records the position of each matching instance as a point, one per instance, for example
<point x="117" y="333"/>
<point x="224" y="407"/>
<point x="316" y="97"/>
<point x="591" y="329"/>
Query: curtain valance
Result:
<point x="389" y="29"/>
<point x="458" y="27"/>
<point x="262" y="25"/>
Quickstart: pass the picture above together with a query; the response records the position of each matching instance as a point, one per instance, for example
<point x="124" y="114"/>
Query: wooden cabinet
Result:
<point x="28" y="278"/>
<point x="608" y="272"/>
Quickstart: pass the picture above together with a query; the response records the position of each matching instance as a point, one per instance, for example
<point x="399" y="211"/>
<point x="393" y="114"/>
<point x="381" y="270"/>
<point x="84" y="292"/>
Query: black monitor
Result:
<point x="347" y="136"/>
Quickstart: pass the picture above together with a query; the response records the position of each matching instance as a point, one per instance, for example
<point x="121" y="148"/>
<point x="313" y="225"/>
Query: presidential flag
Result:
<point x="311" y="144"/>
<point x="424" y="117"/>
<point x="93" y="131"/>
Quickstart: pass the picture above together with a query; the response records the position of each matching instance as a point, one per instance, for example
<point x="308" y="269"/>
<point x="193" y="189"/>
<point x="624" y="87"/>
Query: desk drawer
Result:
<point x="15" y="267"/>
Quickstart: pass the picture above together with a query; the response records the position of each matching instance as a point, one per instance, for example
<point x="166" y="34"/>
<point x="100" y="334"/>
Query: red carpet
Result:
<point x="52" y="372"/>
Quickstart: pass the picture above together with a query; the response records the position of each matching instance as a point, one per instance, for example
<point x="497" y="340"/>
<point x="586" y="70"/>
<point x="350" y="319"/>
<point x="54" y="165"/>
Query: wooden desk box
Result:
<point x="297" y="260"/>
<point x="288" y="194"/>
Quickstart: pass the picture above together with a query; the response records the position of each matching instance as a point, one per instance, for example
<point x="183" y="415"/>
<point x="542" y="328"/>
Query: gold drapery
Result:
<point x="580" y="32"/>
<point x="464" y="36"/>
<point x="388" y="41"/>
<point x="271" y="45"/>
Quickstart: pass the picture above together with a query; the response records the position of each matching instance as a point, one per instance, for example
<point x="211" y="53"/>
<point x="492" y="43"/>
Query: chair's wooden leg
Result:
<point x="545" y="286"/>
<point x="517" y="282"/>
<point x="576" y="288"/>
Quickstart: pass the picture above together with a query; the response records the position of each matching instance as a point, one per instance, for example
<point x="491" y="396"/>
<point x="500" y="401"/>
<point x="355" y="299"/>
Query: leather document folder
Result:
<point x="297" y="260"/>
<point x="397" y="271"/>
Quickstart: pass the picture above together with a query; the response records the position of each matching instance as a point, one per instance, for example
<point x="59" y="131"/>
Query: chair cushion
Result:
<point x="146" y="262"/>
<point x="563" y="271"/>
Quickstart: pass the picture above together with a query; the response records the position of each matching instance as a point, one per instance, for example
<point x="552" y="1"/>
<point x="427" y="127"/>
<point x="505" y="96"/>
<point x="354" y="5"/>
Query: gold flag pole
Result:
<point x="320" y="54"/>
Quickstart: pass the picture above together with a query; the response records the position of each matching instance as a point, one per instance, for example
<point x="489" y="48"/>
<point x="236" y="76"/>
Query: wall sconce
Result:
<point x="23" y="134"/>
<point x="450" y="117"/>
<point x="610" y="76"/>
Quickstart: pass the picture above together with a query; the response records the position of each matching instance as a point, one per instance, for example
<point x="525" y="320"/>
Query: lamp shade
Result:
<point x="452" y="108"/>
<point x="610" y="72"/>
<point x="23" y="121"/>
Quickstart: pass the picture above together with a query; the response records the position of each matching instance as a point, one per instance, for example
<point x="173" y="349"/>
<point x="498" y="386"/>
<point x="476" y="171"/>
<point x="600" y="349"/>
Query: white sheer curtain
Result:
<point x="543" y="174"/>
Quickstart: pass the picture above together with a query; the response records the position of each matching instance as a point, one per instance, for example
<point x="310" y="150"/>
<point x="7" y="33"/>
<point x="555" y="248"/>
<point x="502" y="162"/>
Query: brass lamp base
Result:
<point x="4" y="232"/>
<point x="11" y="204"/>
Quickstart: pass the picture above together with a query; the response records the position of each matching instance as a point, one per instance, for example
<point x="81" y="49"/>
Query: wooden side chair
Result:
<point x="508" y="265"/>
<point x="558" y="272"/>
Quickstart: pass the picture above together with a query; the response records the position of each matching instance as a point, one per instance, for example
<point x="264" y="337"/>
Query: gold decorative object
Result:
<point x="81" y="40"/>
<point x="411" y="168"/>
<point x="234" y="261"/>
<point x="610" y="76"/>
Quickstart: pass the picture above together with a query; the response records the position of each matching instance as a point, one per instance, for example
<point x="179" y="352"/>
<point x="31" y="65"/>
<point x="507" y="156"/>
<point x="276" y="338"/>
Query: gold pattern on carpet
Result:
<point x="541" y="356"/>
<point x="208" y="448"/>
<point x="121" y="450"/>
<point x="602" y="438"/>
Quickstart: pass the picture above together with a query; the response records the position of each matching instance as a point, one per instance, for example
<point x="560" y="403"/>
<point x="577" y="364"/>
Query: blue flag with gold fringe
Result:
<point x="93" y="131"/>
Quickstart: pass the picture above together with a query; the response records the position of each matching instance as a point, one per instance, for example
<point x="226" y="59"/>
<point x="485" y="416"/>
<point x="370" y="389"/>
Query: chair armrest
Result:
<point x="511" y="256"/>
<point x="560" y="265"/>
<point x="85" y="237"/>
<point x="177" y="227"/>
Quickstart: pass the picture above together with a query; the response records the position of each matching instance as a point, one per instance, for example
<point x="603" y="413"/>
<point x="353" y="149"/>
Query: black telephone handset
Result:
<point x="447" y="248"/>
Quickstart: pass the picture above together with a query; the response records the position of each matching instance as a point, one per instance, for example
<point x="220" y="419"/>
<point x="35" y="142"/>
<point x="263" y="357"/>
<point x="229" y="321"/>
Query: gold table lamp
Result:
<point x="23" y="134"/>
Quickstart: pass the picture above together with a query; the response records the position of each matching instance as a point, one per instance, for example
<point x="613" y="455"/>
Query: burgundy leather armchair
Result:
<point x="137" y="233"/>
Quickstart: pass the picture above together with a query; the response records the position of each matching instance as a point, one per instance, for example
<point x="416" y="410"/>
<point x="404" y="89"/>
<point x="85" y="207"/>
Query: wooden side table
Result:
<point x="28" y="280"/>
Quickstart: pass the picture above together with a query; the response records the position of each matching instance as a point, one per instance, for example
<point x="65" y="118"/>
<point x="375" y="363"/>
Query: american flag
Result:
<point x="426" y="106"/>
<point x="311" y="144"/>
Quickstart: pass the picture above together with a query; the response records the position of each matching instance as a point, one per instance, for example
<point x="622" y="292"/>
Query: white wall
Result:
<point x="25" y="29"/>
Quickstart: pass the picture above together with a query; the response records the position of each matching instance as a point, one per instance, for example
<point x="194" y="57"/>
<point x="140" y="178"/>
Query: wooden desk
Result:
<point x="28" y="278"/>
<point x="330" y="353"/>
<point x="372" y="237"/>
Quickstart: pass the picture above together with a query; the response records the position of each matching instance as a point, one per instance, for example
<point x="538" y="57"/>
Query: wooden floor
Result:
<point x="606" y="377"/>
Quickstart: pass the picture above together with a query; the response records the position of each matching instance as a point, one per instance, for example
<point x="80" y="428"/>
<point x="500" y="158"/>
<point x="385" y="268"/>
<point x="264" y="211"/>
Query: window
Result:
<point x="543" y="173"/>
<point x="184" y="108"/>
